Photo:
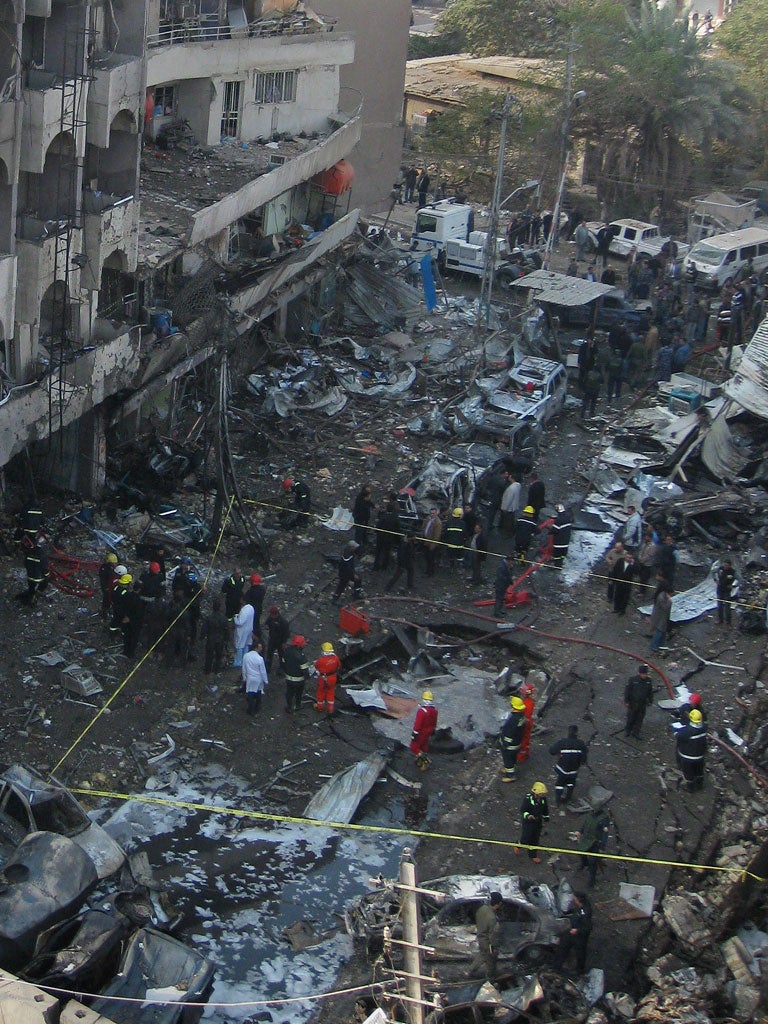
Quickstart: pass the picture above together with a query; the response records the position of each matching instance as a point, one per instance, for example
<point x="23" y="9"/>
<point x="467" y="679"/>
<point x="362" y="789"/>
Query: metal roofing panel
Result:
<point x="749" y="384"/>
<point x="561" y="289"/>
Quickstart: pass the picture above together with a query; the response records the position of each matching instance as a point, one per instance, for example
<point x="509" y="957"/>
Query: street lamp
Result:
<point x="527" y="186"/>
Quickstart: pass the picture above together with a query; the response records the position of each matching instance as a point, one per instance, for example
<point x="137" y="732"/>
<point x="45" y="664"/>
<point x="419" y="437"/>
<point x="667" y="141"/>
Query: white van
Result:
<point x="719" y="258"/>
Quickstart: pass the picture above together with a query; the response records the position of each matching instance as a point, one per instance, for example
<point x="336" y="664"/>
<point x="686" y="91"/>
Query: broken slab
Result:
<point x="22" y="1003"/>
<point x="339" y="798"/>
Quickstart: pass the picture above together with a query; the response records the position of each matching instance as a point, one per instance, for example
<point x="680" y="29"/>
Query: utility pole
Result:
<point x="567" y="102"/>
<point x="489" y="255"/>
<point x="411" y="938"/>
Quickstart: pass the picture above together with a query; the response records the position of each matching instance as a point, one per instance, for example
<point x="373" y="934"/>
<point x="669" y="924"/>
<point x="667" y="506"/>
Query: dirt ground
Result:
<point x="654" y="819"/>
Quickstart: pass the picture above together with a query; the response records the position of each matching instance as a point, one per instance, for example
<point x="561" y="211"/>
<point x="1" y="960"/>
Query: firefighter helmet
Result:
<point x="298" y="640"/>
<point x="326" y="648"/>
<point x="120" y="570"/>
<point x="287" y="484"/>
<point x="529" y="510"/>
<point x="126" y="578"/>
<point x="527" y="690"/>
<point x="427" y="695"/>
<point x="457" y="513"/>
<point x="695" y="716"/>
<point x="539" y="789"/>
<point x="111" y="558"/>
<point x="255" y="579"/>
<point x="695" y="700"/>
<point x="517" y="704"/>
<point x="154" y="568"/>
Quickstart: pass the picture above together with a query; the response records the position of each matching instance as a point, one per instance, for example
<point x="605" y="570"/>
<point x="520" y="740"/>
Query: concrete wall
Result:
<point x="118" y="86"/>
<point x="228" y="58"/>
<point x="381" y="45"/>
<point x="42" y="123"/>
<point x="7" y="292"/>
<point x="36" y="267"/>
<point x="116" y="228"/>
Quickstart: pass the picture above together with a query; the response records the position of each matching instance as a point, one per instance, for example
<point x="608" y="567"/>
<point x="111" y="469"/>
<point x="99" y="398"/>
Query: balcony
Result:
<point x="211" y="58"/>
<point x="43" y="116"/>
<point x="37" y="269"/>
<point x="111" y="224"/>
<point x="7" y="294"/>
<point x="8" y="135"/>
<point x="117" y="85"/>
<point x="256" y="193"/>
<point x="207" y="29"/>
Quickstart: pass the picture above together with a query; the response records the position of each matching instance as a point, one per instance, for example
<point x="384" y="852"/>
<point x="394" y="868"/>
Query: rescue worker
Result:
<point x="215" y="631"/>
<point x="487" y="928"/>
<point x="527" y="695"/>
<point x="302" y="503"/>
<point x="453" y="534"/>
<point x="32" y="522"/>
<point x="151" y="587"/>
<point x="36" y="566"/>
<point x="132" y="616"/>
<point x="232" y="589"/>
<point x="576" y="938"/>
<point x="638" y="694"/>
<point x="107" y="579"/>
<point x="593" y="838"/>
<point x="571" y="753"/>
<point x="327" y="666"/>
<point x="534" y="813"/>
<point x="504" y="579"/>
<point x="123" y="580"/>
<point x="512" y="737"/>
<point x="278" y="631"/>
<point x="562" y="528"/>
<point x="691" y="750"/>
<point x="192" y="591"/>
<point x="525" y="527"/>
<point x="424" y="725"/>
<point x="684" y="711"/>
<point x="387" y="532"/>
<point x="296" y="670"/>
<point x="432" y="532"/>
<point x="348" y="573"/>
<point x="255" y="597"/>
<point x="406" y="562"/>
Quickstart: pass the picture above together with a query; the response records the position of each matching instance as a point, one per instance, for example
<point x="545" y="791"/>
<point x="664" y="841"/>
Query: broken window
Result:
<point x="165" y="100"/>
<point x="276" y="87"/>
<point x="230" y="111"/>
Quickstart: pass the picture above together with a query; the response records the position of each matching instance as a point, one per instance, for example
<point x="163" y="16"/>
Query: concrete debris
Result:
<point x="687" y="915"/>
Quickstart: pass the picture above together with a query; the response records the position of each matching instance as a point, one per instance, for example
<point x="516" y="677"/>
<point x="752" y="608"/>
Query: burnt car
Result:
<point x="530" y="917"/>
<point x="29" y="803"/>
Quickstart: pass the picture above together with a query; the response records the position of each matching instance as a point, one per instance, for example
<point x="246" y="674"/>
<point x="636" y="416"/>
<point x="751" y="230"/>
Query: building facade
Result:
<point x="145" y="146"/>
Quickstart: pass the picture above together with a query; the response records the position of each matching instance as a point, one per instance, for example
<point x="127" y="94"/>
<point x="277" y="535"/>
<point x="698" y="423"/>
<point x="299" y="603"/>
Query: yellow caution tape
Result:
<point x="285" y="819"/>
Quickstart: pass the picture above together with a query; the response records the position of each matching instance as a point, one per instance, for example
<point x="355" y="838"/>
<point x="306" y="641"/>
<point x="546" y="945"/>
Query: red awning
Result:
<point x="336" y="179"/>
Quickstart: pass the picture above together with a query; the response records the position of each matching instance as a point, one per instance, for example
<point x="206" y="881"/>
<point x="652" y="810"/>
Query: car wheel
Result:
<point x="535" y="956"/>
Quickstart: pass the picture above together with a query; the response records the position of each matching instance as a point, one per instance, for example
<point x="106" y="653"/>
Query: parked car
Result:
<point x="639" y="236"/>
<point x="30" y="804"/>
<point x="613" y="309"/>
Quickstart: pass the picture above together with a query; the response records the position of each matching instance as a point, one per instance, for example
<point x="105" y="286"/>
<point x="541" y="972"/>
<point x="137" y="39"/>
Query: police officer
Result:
<point x="296" y="670"/>
<point x="571" y="753"/>
<point x="511" y="738"/>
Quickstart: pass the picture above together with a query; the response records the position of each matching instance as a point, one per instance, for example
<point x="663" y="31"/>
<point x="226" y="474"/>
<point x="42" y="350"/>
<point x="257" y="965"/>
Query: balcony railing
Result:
<point x="173" y="33"/>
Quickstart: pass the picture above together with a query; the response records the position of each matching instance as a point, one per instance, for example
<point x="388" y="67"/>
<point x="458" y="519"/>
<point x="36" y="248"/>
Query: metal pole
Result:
<point x="567" y="102"/>
<point x="489" y="260"/>
<point x="411" y="934"/>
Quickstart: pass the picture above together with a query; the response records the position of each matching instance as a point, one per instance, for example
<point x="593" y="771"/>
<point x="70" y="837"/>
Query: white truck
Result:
<point x="446" y="229"/>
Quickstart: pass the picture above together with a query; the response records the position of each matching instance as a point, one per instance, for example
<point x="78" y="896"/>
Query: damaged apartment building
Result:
<point x="172" y="175"/>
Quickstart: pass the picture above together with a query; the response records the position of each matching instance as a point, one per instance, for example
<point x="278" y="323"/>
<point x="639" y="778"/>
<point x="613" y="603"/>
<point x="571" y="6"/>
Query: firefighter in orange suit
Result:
<point x="528" y="696"/>
<point x="327" y="666"/>
<point x="423" y="727"/>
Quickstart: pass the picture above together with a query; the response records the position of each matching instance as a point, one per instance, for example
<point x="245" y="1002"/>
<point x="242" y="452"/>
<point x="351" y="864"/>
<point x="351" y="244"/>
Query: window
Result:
<point x="276" y="87"/>
<point x="630" y="234"/>
<point x="165" y="101"/>
<point x="762" y="249"/>
<point x="748" y="252"/>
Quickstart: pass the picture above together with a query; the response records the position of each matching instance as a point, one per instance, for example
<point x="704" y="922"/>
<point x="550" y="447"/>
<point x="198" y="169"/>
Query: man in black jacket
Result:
<point x="387" y="530"/>
<point x="576" y="938"/>
<point x="215" y="631"/>
<point x="638" y="694"/>
<point x="406" y="559"/>
<point x="278" y="632"/>
<point x="254" y="596"/>
<point x="504" y="577"/>
<point x="348" y="573"/>
<point x="232" y="589"/>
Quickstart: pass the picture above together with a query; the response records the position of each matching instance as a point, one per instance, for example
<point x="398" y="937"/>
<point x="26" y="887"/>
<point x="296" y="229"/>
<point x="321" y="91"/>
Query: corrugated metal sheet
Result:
<point x="548" y="286"/>
<point x="749" y="385"/>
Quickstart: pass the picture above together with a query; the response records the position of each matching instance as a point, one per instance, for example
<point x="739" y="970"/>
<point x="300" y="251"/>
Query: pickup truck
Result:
<point x="644" y="238"/>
